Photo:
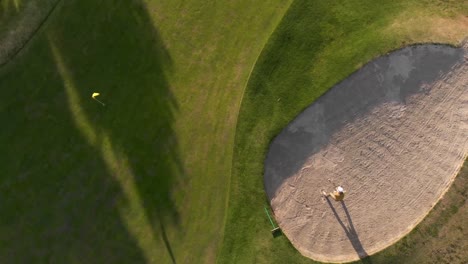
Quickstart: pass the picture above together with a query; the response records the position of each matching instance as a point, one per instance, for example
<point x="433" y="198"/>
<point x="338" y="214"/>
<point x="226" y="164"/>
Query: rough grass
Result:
<point x="8" y="9"/>
<point x="441" y="237"/>
<point x="19" y="21"/>
<point x="145" y="178"/>
<point x="316" y="45"/>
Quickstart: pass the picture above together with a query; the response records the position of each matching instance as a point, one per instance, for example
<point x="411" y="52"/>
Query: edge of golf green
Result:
<point x="53" y="77"/>
<point x="305" y="56"/>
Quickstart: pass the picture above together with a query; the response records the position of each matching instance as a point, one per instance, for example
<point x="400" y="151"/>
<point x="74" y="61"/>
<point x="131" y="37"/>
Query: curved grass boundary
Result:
<point x="82" y="176"/>
<point x="23" y="26"/>
<point x="300" y="158"/>
<point x="316" y="45"/>
<point x="441" y="236"/>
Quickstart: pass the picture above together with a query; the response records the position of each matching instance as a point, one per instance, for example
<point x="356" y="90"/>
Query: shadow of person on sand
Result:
<point x="350" y="231"/>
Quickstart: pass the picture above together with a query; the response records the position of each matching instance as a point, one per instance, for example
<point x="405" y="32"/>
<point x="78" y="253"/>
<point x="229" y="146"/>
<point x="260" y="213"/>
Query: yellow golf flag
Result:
<point x="94" y="97"/>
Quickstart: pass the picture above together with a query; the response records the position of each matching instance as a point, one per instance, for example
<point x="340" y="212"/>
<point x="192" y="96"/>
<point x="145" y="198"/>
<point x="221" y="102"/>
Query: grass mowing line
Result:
<point x="237" y="117"/>
<point x="213" y="54"/>
<point x="139" y="92"/>
<point x="92" y="38"/>
<point x="243" y="184"/>
<point x="341" y="37"/>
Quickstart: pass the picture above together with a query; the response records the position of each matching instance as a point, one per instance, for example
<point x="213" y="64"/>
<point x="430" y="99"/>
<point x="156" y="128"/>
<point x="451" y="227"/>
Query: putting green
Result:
<point x="133" y="181"/>
<point x="147" y="178"/>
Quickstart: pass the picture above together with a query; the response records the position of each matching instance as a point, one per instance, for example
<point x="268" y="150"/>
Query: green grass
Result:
<point x="9" y="8"/>
<point x="19" y="21"/>
<point x="316" y="45"/>
<point x="146" y="178"/>
<point x="143" y="179"/>
<point x="9" y="11"/>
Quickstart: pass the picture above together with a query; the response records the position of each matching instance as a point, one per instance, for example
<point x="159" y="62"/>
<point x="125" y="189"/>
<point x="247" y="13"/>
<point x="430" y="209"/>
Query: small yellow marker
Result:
<point x="94" y="97"/>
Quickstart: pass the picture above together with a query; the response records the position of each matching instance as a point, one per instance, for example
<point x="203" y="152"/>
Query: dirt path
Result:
<point x="23" y="27"/>
<point x="394" y="133"/>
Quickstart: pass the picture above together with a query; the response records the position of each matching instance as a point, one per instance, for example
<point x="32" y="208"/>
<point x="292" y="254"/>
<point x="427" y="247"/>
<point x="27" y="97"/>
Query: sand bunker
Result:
<point x="394" y="134"/>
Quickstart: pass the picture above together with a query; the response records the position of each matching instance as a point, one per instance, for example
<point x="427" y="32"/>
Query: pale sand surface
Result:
<point x="394" y="134"/>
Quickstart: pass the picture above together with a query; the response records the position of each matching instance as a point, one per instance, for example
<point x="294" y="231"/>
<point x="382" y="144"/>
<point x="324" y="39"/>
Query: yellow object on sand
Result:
<point x="337" y="196"/>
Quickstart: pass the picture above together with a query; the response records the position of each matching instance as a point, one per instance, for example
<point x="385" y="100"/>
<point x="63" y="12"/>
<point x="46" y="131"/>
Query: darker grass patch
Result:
<point x="295" y="68"/>
<point x="286" y="79"/>
<point x="60" y="203"/>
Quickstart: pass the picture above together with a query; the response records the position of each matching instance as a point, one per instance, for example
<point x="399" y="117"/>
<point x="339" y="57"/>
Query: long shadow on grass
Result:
<point x="82" y="182"/>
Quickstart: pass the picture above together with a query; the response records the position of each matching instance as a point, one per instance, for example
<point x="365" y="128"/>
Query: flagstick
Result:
<point x="99" y="102"/>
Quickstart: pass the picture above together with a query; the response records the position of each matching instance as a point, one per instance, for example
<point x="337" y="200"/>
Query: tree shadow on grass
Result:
<point x="83" y="183"/>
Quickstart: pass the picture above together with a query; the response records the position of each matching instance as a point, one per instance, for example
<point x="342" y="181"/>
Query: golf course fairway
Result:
<point x="170" y="169"/>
